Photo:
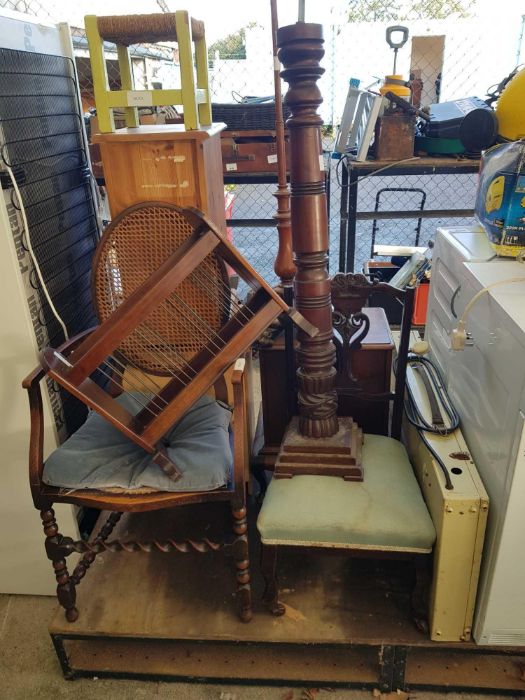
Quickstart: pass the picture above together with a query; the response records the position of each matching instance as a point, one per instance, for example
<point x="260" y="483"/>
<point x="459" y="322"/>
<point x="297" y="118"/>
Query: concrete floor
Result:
<point x="29" y="669"/>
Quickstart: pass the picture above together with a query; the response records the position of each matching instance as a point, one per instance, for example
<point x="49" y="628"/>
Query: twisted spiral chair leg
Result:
<point x="89" y="557"/>
<point x="66" y="591"/>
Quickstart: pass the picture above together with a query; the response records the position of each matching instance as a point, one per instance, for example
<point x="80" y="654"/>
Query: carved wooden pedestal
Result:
<point x="315" y="443"/>
<point x="363" y="372"/>
<point x="337" y="455"/>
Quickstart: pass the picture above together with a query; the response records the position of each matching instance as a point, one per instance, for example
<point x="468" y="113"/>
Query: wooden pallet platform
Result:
<point x="172" y="616"/>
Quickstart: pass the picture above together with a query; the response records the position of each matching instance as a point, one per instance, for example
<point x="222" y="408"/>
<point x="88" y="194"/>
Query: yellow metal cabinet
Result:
<point x="460" y="518"/>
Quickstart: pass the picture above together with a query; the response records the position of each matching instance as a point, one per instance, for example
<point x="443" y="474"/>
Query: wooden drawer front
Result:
<point x="151" y="171"/>
<point x="249" y="157"/>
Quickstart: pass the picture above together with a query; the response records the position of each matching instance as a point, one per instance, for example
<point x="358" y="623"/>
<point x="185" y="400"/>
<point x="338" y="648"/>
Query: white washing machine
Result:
<point x="452" y="248"/>
<point x="486" y="382"/>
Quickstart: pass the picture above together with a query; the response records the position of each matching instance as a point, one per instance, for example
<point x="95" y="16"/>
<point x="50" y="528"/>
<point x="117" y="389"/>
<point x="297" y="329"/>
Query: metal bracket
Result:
<point x="386" y="667"/>
<point x="399" y="668"/>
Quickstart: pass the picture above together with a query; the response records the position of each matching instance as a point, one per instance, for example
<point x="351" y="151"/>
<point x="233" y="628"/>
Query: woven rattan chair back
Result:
<point x="132" y="248"/>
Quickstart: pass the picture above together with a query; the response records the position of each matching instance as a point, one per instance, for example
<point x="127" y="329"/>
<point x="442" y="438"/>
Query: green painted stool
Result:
<point x="194" y="95"/>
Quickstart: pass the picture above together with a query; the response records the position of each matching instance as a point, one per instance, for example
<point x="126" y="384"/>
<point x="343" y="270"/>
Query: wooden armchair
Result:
<point x="384" y="514"/>
<point x="99" y="466"/>
<point x="119" y="501"/>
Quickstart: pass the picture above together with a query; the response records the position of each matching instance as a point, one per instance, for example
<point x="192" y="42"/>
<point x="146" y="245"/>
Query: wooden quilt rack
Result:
<point x="165" y="309"/>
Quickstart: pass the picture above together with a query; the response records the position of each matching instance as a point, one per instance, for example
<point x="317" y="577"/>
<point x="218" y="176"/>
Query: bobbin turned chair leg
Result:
<point x="271" y="588"/>
<point x="66" y="591"/>
<point x="242" y="563"/>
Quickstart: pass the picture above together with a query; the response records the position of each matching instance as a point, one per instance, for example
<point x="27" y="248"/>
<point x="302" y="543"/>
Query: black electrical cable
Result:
<point x="448" y="481"/>
<point x="435" y="379"/>
<point x="416" y="418"/>
<point x="346" y="156"/>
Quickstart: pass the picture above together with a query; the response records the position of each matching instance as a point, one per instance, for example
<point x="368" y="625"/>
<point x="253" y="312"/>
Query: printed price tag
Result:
<point x="231" y="166"/>
<point x="139" y="98"/>
<point x="272" y="158"/>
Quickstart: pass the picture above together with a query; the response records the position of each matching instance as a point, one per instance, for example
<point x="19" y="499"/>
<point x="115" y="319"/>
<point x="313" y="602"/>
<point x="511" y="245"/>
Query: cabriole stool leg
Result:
<point x="271" y="588"/>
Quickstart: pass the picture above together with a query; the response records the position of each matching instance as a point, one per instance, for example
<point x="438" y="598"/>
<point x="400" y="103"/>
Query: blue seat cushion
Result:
<point x="99" y="456"/>
<point x="386" y="511"/>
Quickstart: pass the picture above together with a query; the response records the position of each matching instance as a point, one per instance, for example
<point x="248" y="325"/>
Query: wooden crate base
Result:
<point x="347" y="622"/>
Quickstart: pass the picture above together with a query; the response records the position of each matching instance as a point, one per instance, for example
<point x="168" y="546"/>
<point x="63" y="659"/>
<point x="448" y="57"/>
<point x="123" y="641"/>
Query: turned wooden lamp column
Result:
<point x="284" y="266"/>
<point x="316" y="441"/>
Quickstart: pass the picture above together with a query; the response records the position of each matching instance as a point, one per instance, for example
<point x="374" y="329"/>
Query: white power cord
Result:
<point x="32" y="254"/>
<point x="458" y="336"/>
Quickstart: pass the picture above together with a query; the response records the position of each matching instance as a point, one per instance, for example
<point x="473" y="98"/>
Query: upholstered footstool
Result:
<point x="384" y="513"/>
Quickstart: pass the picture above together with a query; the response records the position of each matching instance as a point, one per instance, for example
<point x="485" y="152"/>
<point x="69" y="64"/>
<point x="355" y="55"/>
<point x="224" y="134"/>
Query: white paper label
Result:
<point x="240" y="364"/>
<point x="231" y="166"/>
<point x="321" y="162"/>
<point x="139" y="98"/>
<point x="272" y="158"/>
<point x="175" y="159"/>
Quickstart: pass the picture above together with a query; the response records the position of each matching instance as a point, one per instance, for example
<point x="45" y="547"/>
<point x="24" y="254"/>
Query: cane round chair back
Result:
<point x="133" y="246"/>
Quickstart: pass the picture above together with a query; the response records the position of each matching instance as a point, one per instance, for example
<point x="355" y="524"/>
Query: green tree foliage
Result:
<point x="440" y="9"/>
<point x="402" y="10"/>
<point x="373" y="11"/>
<point x="232" y="46"/>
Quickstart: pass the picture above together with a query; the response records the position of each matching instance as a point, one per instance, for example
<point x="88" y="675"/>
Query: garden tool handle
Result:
<point x="396" y="28"/>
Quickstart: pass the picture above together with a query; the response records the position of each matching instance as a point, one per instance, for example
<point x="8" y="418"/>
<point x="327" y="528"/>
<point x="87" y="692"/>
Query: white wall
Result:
<point x="230" y="79"/>
<point x="478" y="53"/>
<point x="427" y="57"/>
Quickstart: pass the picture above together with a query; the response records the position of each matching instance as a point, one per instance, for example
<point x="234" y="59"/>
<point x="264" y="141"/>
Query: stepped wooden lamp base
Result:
<point x="338" y="455"/>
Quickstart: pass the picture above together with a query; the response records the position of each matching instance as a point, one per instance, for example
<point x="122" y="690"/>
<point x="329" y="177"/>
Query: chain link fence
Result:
<point x="440" y="57"/>
<point x="446" y="56"/>
<point x="450" y="54"/>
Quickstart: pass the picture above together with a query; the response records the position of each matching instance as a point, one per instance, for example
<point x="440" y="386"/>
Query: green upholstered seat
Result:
<point x="385" y="512"/>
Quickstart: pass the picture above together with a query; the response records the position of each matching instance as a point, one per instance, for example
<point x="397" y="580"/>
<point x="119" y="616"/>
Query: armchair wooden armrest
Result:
<point x="238" y="371"/>
<point x="38" y="373"/>
<point x="36" y="442"/>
